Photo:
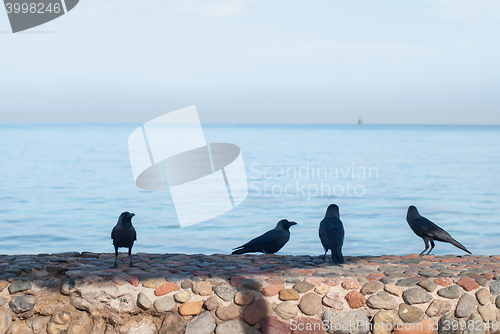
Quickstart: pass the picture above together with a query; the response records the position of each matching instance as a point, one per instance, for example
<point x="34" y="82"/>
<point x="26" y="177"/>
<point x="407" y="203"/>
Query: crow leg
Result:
<point x="116" y="258"/>
<point x="432" y="247"/>
<point x="130" y="256"/>
<point x="426" y="246"/>
<point x="324" y="255"/>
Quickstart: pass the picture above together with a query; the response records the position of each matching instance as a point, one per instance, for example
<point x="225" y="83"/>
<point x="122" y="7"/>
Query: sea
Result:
<point x="63" y="186"/>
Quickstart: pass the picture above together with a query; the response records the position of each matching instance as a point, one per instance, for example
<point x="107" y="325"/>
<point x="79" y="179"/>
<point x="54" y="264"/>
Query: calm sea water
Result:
<point x="62" y="188"/>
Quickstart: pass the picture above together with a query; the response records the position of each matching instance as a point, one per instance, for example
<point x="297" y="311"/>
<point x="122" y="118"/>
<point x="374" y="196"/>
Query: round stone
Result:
<point x="21" y="304"/>
<point x="333" y="300"/>
<point x="235" y="327"/>
<point x="483" y="296"/>
<point x="382" y="300"/>
<point x="228" y="312"/>
<point x="384" y="322"/>
<point x="182" y="296"/>
<point x="164" y="304"/>
<point x="355" y="299"/>
<point x="202" y="288"/>
<point x="438" y="308"/>
<point x="410" y="314"/>
<point x="427" y="284"/>
<point x="289" y="294"/>
<point x="303" y="287"/>
<point x="244" y="297"/>
<point x="466" y="306"/>
<point x="286" y="310"/>
<point x="416" y="296"/>
<point x="310" y="304"/>
<point x="372" y="287"/>
<point x="451" y="292"/>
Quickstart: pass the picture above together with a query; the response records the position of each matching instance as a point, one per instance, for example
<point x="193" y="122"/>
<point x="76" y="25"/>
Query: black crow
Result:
<point x="331" y="234"/>
<point x="124" y="235"/>
<point x="429" y="231"/>
<point x="270" y="242"/>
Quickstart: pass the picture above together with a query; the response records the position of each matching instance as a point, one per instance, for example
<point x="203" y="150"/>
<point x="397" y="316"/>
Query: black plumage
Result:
<point x="124" y="235"/>
<point x="429" y="231"/>
<point x="331" y="234"/>
<point x="269" y="242"/>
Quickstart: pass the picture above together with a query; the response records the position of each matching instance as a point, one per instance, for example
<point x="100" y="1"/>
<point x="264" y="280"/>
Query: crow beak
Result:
<point x="292" y="223"/>
<point x="132" y="214"/>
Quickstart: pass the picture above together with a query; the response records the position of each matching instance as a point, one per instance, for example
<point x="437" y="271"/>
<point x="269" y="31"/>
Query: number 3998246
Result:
<point x="33" y="8"/>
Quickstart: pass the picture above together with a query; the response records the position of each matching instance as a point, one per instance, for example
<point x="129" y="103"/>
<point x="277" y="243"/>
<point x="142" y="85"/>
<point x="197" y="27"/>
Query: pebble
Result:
<point x="466" y="305"/>
<point x="478" y="327"/>
<point x="372" y="287"/>
<point x="416" y="296"/>
<point x="134" y="281"/>
<point x="407" y="282"/>
<point x="5" y="321"/>
<point x="143" y="301"/>
<point x="211" y="303"/>
<point x="166" y="288"/>
<point x="393" y="289"/>
<point x="236" y="327"/>
<point x="256" y="311"/>
<point x="289" y="294"/>
<point x="322" y="289"/>
<point x="443" y="281"/>
<point x="315" y="280"/>
<point x="427" y="284"/>
<point x="229" y="312"/>
<point x="244" y="297"/>
<point x="286" y="310"/>
<point x="355" y="299"/>
<point x="153" y="283"/>
<point x="3" y="285"/>
<point x="483" y="296"/>
<point x="192" y="308"/>
<point x="24" y="303"/>
<point x="482" y="281"/>
<point x="495" y="288"/>
<point x="438" y="307"/>
<point x="384" y="322"/>
<point x="382" y="300"/>
<point x="468" y="284"/>
<point x="171" y="324"/>
<point x="425" y="326"/>
<point x="354" y="317"/>
<point x="201" y="324"/>
<point x="164" y="304"/>
<point x="303" y="287"/>
<point x="2" y="300"/>
<point x="203" y="288"/>
<point x="272" y="290"/>
<point x="451" y="292"/>
<point x="253" y="284"/>
<point x="19" y="286"/>
<point x="410" y="314"/>
<point x="488" y="313"/>
<point x="310" y="304"/>
<point x="351" y="285"/>
<point x="182" y="296"/>
<point x="333" y="300"/>
<point x="272" y="325"/>
<point x="186" y="284"/>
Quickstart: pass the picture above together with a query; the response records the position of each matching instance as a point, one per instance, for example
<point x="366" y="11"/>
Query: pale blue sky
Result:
<point x="276" y="61"/>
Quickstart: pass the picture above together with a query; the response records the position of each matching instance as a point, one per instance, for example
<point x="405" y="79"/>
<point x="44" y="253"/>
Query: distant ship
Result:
<point x="360" y="121"/>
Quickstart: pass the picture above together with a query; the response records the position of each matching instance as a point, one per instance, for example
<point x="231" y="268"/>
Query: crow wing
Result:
<point x="331" y="233"/>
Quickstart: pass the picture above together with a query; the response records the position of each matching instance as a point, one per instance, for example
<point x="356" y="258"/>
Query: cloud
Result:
<point x="213" y="8"/>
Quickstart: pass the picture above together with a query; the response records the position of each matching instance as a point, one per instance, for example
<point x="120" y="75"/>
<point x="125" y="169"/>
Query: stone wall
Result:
<point x="200" y="294"/>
